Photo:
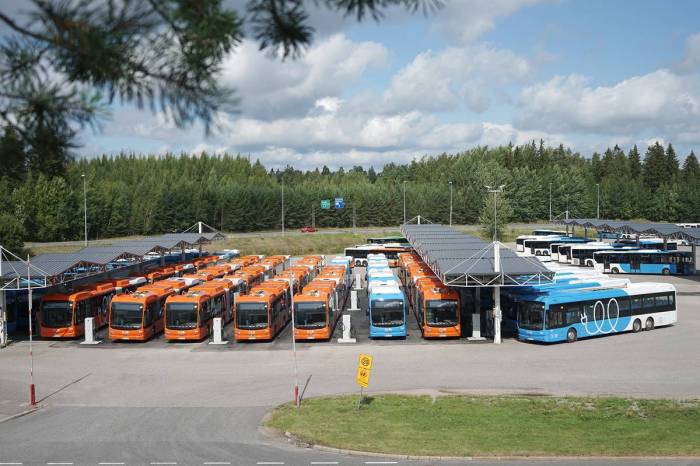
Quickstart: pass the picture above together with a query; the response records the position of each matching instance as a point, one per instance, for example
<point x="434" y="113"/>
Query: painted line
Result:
<point x="270" y="462"/>
<point x="8" y="463"/>
<point x="163" y="462"/>
<point x="56" y="464"/>
<point x="217" y="462"/>
<point x="106" y="464"/>
<point x="324" y="462"/>
<point x="381" y="462"/>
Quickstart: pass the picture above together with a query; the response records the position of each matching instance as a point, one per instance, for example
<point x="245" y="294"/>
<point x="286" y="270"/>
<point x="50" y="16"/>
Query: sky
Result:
<point x="585" y="73"/>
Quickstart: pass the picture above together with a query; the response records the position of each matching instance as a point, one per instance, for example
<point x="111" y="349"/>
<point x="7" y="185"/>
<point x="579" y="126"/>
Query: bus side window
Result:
<point x="662" y="303"/>
<point x="623" y="305"/>
<point x="672" y="300"/>
<point x="161" y="308"/>
<point x="572" y="314"/>
<point x="204" y="314"/>
<point x="649" y="304"/>
<point x="589" y="310"/>
<point x="150" y="313"/>
<point x="636" y="306"/>
<point x="554" y="316"/>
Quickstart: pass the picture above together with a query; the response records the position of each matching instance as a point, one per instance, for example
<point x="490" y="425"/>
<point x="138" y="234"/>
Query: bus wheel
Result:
<point x="666" y="272"/>
<point x="571" y="335"/>
<point x="649" y="324"/>
<point x="636" y="325"/>
<point x="538" y="253"/>
<point x="615" y="270"/>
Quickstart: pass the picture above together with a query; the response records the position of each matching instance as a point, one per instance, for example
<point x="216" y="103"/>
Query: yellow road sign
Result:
<point x="362" y="377"/>
<point x="365" y="362"/>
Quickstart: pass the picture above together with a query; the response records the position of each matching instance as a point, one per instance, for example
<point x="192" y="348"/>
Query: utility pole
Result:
<point x="597" y="214"/>
<point x="404" y="202"/>
<point x="353" y="219"/>
<point x="32" y="391"/>
<point x="313" y="215"/>
<point x="550" y="202"/>
<point x="85" y="207"/>
<point x="450" y="203"/>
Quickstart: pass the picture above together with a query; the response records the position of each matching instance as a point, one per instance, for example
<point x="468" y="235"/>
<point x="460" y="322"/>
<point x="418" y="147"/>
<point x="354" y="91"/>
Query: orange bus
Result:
<point x="127" y="285"/>
<point x="413" y="273"/>
<point x="140" y="315"/>
<point x="437" y="309"/>
<point x="316" y="311"/>
<point x="189" y="316"/>
<point x="179" y="284"/>
<point x="62" y="315"/>
<point x="405" y="259"/>
<point x="262" y="313"/>
<point x="224" y="291"/>
<point x="160" y="273"/>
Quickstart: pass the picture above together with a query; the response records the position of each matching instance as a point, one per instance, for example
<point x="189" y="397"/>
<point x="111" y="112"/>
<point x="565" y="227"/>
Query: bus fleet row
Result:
<point x="643" y="256"/>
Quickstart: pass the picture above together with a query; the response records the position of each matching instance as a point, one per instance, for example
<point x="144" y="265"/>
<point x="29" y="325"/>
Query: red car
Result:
<point x="308" y="230"/>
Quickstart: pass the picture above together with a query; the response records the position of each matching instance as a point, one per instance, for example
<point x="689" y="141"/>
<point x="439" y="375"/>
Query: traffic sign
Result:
<point x="362" y="377"/>
<point x="326" y="204"/>
<point x="339" y="203"/>
<point x="364" y="369"/>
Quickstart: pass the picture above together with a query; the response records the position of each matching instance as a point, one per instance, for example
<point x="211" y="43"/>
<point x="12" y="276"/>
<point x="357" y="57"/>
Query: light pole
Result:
<point x="597" y="211"/>
<point x="282" y="205"/>
<point x="32" y="391"/>
<point x="495" y="192"/>
<point x="85" y="206"/>
<point x="404" y="202"/>
<point x="450" y="203"/>
<point x="294" y="347"/>
<point x="550" y="202"/>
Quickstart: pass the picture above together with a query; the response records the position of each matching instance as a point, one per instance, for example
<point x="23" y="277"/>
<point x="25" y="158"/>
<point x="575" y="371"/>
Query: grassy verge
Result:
<point x="295" y="245"/>
<point x="506" y="425"/>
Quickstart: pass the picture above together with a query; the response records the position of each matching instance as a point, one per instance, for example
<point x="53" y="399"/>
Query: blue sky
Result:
<point x="588" y="74"/>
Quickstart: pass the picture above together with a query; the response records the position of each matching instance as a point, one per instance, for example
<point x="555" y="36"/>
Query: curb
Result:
<point x="20" y="414"/>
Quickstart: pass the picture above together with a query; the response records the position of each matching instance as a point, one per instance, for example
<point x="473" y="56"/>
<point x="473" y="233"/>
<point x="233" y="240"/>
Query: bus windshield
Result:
<point x="56" y="314"/>
<point x="126" y="315"/>
<point x="440" y="313"/>
<point x="387" y="313"/>
<point x="531" y="316"/>
<point x="251" y="315"/>
<point x="181" y="315"/>
<point x="310" y="315"/>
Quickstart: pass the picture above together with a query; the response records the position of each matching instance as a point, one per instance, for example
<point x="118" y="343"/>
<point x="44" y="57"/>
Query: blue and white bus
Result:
<point x="549" y="233"/>
<point x="567" y="315"/>
<point x="647" y="243"/>
<point x="387" y="312"/>
<point x="564" y="250"/>
<point x="647" y="261"/>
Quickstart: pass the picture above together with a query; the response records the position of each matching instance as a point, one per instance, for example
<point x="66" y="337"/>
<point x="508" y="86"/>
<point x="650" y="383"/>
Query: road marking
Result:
<point x="164" y="462"/>
<point x="217" y="462"/>
<point x="56" y="464"/>
<point x="381" y="462"/>
<point x="270" y="462"/>
<point x="324" y="462"/>
<point x="106" y="464"/>
<point x="9" y="463"/>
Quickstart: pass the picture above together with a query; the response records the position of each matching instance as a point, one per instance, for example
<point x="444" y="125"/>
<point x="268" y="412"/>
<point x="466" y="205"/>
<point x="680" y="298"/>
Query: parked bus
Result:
<point x="572" y="314"/>
<point x="647" y="243"/>
<point x="389" y="239"/>
<point x="222" y="290"/>
<point x="437" y="309"/>
<point x="138" y="316"/>
<point x="582" y="254"/>
<point x="316" y="312"/>
<point x="647" y="261"/>
<point x="261" y="314"/>
<point x="189" y="316"/>
<point x="179" y="284"/>
<point x="540" y="246"/>
<point x="359" y="253"/>
<point x="545" y="232"/>
<point x="387" y="312"/>
<point x="127" y="285"/>
<point x="62" y="315"/>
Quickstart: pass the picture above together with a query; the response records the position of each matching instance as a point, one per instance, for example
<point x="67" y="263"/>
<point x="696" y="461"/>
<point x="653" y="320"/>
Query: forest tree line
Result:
<point x="133" y="194"/>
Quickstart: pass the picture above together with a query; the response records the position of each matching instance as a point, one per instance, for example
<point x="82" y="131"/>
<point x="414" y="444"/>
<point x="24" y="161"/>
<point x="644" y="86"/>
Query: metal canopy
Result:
<point x="666" y="230"/>
<point x="53" y="268"/>
<point x="462" y="260"/>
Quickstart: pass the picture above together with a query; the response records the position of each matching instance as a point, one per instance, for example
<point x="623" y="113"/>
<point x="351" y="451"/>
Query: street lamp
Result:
<point x="282" y="205"/>
<point x="550" y="202"/>
<point x="597" y="214"/>
<point x="404" y="202"/>
<point x="85" y="206"/>
<point x="294" y="346"/>
<point x="495" y="191"/>
<point x="450" y="203"/>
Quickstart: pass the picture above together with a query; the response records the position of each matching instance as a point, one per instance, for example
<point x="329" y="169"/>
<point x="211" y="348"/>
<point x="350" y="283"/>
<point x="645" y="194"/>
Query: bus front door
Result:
<point x="634" y="263"/>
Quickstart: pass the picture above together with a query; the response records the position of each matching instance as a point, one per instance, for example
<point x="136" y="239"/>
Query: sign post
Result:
<point x="364" y="369"/>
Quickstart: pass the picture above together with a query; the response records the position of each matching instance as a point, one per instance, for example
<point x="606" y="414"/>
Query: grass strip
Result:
<point x="497" y="425"/>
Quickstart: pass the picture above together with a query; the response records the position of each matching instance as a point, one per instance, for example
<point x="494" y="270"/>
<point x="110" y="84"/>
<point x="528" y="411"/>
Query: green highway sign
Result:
<point x="325" y="204"/>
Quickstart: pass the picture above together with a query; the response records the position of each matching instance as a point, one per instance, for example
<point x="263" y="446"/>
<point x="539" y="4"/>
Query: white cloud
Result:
<point x="466" y="20"/>
<point x="692" y="55"/>
<point x="271" y="88"/>
<point x="660" y="101"/>
<point x="455" y="77"/>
